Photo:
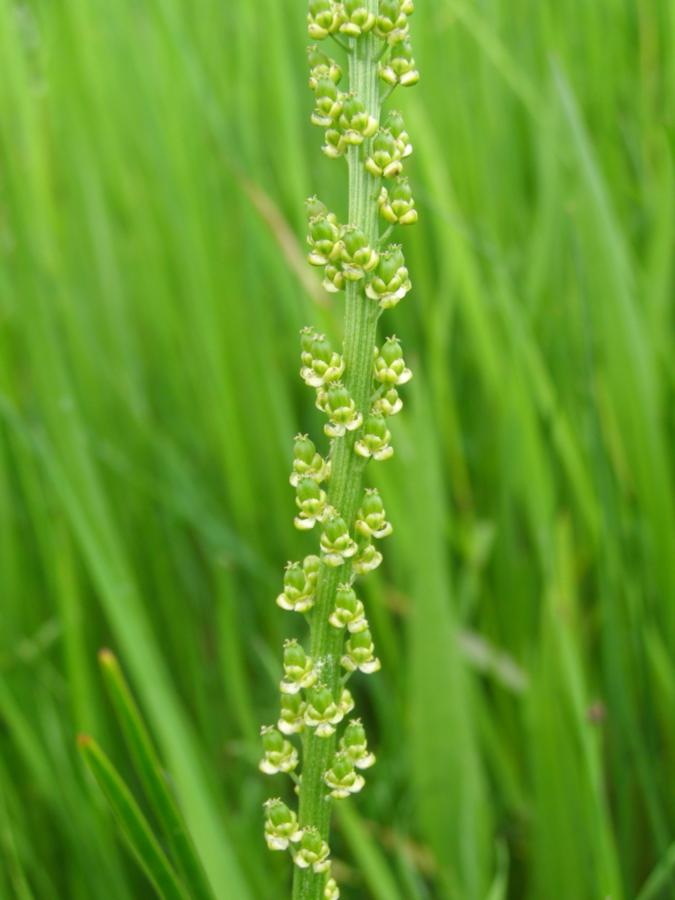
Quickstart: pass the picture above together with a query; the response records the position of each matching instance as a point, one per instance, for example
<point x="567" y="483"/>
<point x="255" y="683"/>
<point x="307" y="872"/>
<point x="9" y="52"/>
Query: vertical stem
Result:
<point x="344" y="493"/>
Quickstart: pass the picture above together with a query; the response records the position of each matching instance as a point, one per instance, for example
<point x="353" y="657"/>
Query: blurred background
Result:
<point x="154" y="160"/>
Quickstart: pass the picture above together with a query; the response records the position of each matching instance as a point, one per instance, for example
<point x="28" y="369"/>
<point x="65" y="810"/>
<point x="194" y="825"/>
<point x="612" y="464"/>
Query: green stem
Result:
<point x="347" y="467"/>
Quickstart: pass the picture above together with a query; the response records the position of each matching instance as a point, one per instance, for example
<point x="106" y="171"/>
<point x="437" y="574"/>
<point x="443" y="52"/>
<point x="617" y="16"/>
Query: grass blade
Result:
<point x="152" y="777"/>
<point x="133" y="823"/>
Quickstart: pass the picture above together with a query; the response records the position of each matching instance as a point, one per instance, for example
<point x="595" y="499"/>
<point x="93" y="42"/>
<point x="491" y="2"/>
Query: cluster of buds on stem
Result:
<point x="315" y="702"/>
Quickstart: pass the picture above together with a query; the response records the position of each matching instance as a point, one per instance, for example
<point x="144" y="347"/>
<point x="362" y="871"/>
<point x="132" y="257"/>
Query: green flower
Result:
<point x="324" y="240"/>
<point x="355" y="122"/>
<point x="298" y="668"/>
<point x="355" y="745"/>
<point x="371" y="519"/>
<point x="312" y="852"/>
<point x="281" y="825"/>
<point x="307" y="463"/>
<point x="367" y="559"/>
<point x="325" y="366"/>
<point x="342" y="778"/>
<point x="357" y="18"/>
<point x="341" y="410"/>
<point x="400" y="67"/>
<point x="348" y="610"/>
<point x="397" y="205"/>
<point x="358" y="257"/>
<point x="324" y="18"/>
<point x="389" y="366"/>
<point x="299" y="585"/>
<point x="360" y="654"/>
<point x="328" y="103"/>
<point x="391" y="23"/>
<point x="389" y="282"/>
<point x="292" y="714"/>
<point x="395" y="124"/>
<point x="385" y="158"/>
<point x="388" y="404"/>
<point x="280" y="754"/>
<point x="374" y="439"/>
<point x="336" y="543"/>
<point x="322" y="66"/>
<point x="322" y="712"/>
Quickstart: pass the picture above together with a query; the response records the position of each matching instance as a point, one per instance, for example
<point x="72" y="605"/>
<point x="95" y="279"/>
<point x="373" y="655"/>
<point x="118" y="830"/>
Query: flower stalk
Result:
<point x="357" y="391"/>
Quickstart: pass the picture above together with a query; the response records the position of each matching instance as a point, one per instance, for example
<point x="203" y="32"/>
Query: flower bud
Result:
<point x="389" y="366"/>
<point x="324" y="240"/>
<point x="400" y="67"/>
<point x="385" y="158"/>
<point x="325" y="366"/>
<point x="333" y="278"/>
<point x="374" y="439"/>
<point x="322" y="712"/>
<point x="292" y="714"/>
<point x="328" y="102"/>
<point x="397" y="205"/>
<point x="389" y="282"/>
<point x="281" y="825"/>
<point x="357" y="18"/>
<point x="355" y="745"/>
<point x="307" y="463"/>
<point x="357" y="256"/>
<point x="348" y="610"/>
<point x="298" y="668"/>
<point x="391" y="23"/>
<point x="324" y="18"/>
<point x="341" y="410"/>
<point x="394" y="123"/>
<point x="371" y="520"/>
<point x="388" y="404"/>
<point x="367" y="559"/>
<point x="312" y="852"/>
<point x="322" y="66"/>
<point x="342" y="778"/>
<point x="336" y="544"/>
<point x="280" y="754"/>
<point x="360" y="653"/>
<point x="355" y="122"/>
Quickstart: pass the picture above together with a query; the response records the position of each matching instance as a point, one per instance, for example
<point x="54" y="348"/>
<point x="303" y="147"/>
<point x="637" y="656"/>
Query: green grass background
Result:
<point x="154" y="159"/>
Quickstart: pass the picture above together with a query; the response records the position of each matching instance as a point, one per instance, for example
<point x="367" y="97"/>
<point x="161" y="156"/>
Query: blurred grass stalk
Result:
<point x="148" y="313"/>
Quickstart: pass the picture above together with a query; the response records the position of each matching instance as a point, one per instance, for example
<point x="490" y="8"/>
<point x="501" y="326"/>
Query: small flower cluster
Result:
<point x="314" y="699"/>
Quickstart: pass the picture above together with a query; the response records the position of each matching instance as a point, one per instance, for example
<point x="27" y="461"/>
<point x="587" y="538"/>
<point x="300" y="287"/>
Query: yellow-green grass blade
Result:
<point x="132" y="822"/>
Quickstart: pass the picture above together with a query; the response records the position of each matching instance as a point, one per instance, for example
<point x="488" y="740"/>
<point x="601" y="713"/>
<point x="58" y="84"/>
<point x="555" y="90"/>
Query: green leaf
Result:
<point x="152" y="777"/>
<point x="133" y="823"/>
